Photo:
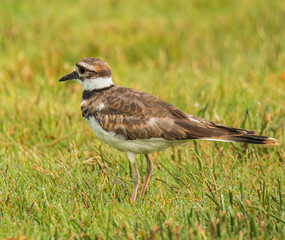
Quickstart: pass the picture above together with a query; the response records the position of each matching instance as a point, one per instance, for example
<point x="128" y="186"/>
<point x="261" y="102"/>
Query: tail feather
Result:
<point x="254" y="139"/>
<point x="207" y="130"/>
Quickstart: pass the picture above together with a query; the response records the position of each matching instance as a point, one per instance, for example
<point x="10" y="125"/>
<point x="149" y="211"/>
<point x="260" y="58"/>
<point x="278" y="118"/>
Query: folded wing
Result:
<point x="135" y="115"/>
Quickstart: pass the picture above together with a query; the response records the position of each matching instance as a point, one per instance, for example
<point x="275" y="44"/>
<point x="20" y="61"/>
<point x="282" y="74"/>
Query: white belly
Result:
<point x="135" y="146"/>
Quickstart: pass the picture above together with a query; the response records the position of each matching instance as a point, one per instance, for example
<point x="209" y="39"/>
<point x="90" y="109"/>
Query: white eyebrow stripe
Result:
<point x="87" y="66"/>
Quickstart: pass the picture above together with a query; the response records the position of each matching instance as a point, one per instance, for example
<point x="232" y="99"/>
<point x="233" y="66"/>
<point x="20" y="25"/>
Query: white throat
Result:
<point x="96" y="83"/>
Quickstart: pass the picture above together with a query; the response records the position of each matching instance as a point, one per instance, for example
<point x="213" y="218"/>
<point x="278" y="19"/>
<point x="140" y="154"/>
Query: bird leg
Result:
<point x="132" y="159"/>
<point x="148" y="173"/>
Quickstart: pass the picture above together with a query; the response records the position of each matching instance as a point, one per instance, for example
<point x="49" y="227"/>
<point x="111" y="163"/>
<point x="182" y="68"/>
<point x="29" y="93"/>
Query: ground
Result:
<point x="220" y="60"/>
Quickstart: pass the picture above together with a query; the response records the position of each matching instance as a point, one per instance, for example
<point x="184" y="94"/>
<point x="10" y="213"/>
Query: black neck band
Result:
<point x="87" y="94"/>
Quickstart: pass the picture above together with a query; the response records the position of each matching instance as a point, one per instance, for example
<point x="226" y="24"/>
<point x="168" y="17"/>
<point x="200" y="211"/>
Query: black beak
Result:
<point x="71" y="76"/>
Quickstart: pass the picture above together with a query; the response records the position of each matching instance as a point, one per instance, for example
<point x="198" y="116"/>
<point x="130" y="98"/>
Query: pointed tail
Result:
<point x="246" y="138"/>
<point x="207" y="130"/>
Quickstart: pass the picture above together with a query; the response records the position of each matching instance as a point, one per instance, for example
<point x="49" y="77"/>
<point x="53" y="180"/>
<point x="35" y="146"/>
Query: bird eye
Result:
<point x="82" y="70"/>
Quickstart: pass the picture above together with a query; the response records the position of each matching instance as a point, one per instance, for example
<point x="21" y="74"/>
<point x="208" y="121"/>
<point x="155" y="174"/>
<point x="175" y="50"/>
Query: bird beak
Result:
<point x="71" y="76"/>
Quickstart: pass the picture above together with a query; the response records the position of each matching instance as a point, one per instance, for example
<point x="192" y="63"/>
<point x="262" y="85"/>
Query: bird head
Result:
<point x="91" y="73"/>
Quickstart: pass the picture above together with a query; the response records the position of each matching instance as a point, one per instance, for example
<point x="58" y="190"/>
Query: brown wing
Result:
<point x="138" y="115"/>
<point x="135" y="115"/>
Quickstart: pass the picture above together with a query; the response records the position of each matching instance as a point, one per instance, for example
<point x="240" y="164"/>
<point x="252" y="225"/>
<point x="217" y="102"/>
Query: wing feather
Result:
<point x="137" y="115"/>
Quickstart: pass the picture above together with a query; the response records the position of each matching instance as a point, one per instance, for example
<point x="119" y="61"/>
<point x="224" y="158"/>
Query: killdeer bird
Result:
<point x="137" y="123"/>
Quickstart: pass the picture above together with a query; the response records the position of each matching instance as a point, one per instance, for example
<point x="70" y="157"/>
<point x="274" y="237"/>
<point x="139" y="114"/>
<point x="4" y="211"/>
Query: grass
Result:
<point x="221" y="60"/>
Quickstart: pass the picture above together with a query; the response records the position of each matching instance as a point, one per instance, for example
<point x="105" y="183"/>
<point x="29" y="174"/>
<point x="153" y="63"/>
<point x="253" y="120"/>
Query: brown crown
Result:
<point x="96" y="67"/>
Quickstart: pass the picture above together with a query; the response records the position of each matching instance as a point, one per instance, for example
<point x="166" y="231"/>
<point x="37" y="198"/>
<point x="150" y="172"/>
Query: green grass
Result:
<point x="221" y="60"/>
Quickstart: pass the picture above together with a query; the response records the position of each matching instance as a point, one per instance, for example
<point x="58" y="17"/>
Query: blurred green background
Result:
<point x="221" y="60"/>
